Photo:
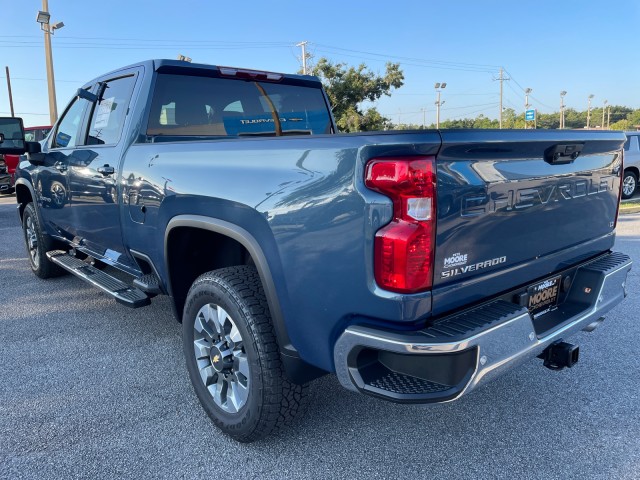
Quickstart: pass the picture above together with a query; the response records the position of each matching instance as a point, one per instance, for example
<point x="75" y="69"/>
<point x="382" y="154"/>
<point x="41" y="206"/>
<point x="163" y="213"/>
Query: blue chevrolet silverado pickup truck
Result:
<point x="415" y="266"/>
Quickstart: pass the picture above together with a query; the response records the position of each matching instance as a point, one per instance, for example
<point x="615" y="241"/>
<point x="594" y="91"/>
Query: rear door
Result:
<point x="510" y="211"/>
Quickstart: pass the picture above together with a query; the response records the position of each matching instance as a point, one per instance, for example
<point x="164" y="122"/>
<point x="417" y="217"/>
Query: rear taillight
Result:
<point x="403" y="257"/>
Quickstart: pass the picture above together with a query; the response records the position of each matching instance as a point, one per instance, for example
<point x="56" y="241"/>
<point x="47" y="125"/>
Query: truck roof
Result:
<point x="157" y="64"/>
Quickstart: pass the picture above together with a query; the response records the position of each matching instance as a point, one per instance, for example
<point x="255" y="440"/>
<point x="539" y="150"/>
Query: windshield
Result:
<point x="204" y="106"/>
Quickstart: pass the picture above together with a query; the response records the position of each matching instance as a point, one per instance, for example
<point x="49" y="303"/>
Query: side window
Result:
<point x="108" y="116"/>
<point x="627" y="143"/>
<point x="69" y="126"/>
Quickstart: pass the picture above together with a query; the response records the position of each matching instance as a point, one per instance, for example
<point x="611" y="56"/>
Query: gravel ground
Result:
<point x="92" y="389"/>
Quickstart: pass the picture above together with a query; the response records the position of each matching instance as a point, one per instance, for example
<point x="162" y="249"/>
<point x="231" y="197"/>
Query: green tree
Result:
<point x="348" y="87"/>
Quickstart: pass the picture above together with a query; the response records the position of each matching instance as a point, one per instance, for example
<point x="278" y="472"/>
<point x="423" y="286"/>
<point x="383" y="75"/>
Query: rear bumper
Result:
<point x="463" y="351"/>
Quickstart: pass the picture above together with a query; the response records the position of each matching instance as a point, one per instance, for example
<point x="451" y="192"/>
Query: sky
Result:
<point x="582" y="47"/>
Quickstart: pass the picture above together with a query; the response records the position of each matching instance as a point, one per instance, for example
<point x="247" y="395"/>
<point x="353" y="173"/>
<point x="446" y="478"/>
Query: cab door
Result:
<point x="94" y="173"/>
<point x="52" y="188"/>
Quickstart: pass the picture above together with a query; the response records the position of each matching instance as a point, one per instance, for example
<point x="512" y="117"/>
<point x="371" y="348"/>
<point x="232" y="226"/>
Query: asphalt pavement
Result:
<point x="92" y="389"/>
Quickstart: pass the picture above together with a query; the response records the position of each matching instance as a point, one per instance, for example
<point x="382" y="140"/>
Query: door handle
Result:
<point x="106" y="170"/>
<point x="61" y="167"/>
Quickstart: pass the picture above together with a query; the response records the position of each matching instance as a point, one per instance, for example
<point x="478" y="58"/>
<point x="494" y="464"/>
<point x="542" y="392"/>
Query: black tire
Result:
<point x="38" y="244"/>
<point x="272" y="401"/>
<point x="629" y="184"/>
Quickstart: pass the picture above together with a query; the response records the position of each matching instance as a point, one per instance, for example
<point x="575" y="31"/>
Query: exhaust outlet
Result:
<point x="560" y="355"/>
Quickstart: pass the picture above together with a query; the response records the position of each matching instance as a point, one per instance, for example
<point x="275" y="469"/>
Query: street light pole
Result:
<point x="10" y="93"/>
<point x="424" y="117"/>
<point x="43" y="19"/>
<point x="608" y="116"/>
<point x="526" y="105"/>
<point x="589" y="111"/>
<point x="562" y="94"/>
<point x="439" y="86"/>
<point x="303" y="45"/>
<point x="604" y="107"/>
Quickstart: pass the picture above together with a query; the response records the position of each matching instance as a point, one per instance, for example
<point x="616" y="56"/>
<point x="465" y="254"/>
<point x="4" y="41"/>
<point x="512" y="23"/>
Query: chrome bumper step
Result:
<point x="460" y="352"/>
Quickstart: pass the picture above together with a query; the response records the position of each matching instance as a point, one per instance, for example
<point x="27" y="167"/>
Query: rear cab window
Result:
<point x="198" y="106"/>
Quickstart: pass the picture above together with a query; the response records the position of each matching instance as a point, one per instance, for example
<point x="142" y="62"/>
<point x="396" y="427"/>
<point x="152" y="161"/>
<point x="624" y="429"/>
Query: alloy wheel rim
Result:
<point x="58" y="193"/>
<point x="222" y="361"/>
<point x="32" y="242"/>
<point x="629" y="185"/>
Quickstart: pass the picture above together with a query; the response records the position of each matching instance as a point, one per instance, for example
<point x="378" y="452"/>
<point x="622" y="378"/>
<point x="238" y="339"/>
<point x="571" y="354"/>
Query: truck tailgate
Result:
<point x="509" y="211"/>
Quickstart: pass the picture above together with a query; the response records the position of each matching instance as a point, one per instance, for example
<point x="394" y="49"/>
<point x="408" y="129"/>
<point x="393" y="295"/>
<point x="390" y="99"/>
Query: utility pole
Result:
<point x="604" y="107"/>
<point x="526" y="105"/>
<point x="424" y="117"/>
<point x="589" y="111"/>
<point x="10" y="94"/>
<point x="303" y="45"/>
<point x="608" y="116"/>
<point x="43" y="19"/>
<point x="501" y="79"/>
<point x="562" y="94"/>
<point x="439" y="86"/>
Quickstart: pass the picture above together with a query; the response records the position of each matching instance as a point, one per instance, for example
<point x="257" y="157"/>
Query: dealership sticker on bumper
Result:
<point x="543" y="296"/>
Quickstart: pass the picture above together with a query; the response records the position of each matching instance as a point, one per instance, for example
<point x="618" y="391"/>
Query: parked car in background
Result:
<point x="631" y="164"/>
<point x="8" y="163"/>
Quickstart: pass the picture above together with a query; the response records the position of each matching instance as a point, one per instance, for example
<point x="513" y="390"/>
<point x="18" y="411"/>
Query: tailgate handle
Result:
<point x="563" y="153"/>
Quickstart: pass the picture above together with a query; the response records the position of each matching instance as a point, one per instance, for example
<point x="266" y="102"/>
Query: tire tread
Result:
<point x="282" y="400"/>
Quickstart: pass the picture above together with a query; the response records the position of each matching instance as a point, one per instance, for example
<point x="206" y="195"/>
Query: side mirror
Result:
<point x="12" y="136"/>
<point x="34" y="153"/>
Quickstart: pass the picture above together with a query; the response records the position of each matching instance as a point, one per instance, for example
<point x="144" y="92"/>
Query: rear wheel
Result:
<point x="232" y="355"/>
<point x="38" y="244"/>
<point x="629" y="184"/>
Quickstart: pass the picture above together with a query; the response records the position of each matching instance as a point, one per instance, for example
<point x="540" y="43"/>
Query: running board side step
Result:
<point x="123" y="293"/>
<point x="149" y="283"/>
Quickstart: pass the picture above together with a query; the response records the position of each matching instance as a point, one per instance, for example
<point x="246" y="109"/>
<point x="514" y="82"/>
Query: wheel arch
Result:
<point x="634" y="169"/>
<point x="24" y="195"/>
<point x="298" y="371"/>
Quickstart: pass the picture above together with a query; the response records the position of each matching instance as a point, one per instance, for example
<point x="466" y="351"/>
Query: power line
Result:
<point x="470" y="106"/>
<point x="477" y="66"/>
<point x="447" y="109"/>
<point x="41" y="79"/>
<point x="154" y="40"/>
<point x="24" y="113"/>
<point x="150" y="47"/>
<point x="476" y="111"/>
<point x="449" y="94"/>
<point x="424" y="64"/>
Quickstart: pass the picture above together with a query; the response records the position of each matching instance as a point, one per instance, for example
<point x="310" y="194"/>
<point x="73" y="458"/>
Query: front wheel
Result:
<point x="233" y="357"/>
<point x="38" y="244"/>
<point x="629" y="184"/>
